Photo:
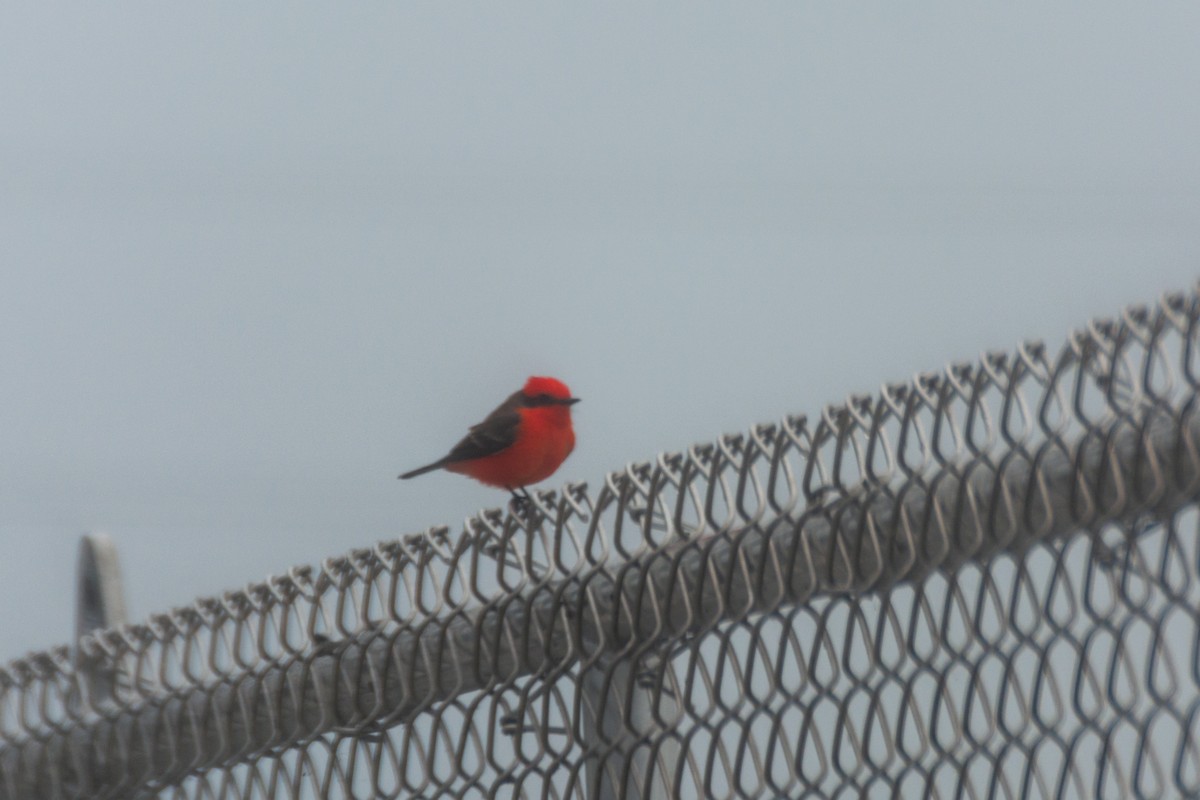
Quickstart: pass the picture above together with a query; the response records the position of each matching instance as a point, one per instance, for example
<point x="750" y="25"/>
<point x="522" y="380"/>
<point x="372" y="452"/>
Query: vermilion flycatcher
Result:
<point x="521" y="443"/>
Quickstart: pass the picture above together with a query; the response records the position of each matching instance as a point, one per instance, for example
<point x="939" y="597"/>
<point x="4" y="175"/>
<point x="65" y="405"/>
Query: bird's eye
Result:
<point x="544" y="399"/>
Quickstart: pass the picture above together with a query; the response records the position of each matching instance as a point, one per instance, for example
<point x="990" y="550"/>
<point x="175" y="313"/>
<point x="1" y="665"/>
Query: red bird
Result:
<point x="521" y="443"/>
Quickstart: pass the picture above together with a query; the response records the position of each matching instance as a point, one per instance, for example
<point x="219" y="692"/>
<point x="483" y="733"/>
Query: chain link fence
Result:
<point x="981" y="583"/>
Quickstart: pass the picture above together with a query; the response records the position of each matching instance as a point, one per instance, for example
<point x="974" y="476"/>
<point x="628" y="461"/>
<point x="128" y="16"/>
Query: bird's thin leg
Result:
<point x="521" y="497"/>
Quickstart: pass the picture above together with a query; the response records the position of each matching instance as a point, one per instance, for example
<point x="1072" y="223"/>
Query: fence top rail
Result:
<point x="950" y="467"/>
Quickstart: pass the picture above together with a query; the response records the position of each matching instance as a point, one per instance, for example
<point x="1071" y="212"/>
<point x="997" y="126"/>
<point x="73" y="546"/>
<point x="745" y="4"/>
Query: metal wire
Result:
<point x="980" y="583"/>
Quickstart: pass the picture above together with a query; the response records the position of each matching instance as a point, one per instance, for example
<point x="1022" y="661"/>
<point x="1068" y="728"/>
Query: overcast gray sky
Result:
<point x="256" y="259"/>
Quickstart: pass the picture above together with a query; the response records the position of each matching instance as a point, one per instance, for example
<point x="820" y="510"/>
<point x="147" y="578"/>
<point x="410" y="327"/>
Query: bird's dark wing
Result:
<point x="496" y="432"/>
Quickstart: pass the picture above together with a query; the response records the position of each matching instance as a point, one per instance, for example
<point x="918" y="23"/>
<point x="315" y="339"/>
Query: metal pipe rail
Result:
<point x="952" y="468"/>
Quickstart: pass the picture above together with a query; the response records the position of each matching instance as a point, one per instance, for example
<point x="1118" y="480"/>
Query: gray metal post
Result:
<point x="99" y="604"/>
<point x="629" y="758"/>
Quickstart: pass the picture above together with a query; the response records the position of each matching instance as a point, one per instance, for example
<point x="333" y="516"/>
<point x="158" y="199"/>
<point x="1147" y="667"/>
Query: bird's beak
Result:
<point x="571" y="401"/>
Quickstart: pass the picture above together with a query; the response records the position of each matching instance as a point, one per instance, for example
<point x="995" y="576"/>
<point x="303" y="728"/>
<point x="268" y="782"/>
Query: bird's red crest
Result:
<point x="551" y="386"/>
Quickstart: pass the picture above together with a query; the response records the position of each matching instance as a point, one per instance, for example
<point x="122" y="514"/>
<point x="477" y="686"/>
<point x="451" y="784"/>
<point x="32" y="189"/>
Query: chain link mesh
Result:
<point x="980" y="583"/>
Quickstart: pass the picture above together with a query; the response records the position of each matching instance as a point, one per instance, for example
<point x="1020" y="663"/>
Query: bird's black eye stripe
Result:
<point x="540" y="400"/>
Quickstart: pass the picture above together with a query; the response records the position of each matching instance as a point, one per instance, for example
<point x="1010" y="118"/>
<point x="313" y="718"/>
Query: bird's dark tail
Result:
<point x="422" y="470"/>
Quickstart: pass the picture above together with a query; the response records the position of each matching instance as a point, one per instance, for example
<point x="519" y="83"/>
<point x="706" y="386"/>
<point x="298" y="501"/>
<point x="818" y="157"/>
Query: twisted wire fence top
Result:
<point x="456" y="660"/>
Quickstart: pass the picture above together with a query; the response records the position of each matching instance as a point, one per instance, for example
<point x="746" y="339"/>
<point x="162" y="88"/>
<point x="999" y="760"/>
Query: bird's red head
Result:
<point x="547" y="391"/>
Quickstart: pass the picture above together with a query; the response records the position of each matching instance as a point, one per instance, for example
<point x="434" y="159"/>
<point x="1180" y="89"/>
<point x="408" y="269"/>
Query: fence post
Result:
<point x="99" y="604"/>
<point x="628" y="758"/>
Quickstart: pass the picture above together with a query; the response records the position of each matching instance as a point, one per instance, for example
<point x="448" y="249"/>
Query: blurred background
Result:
<point x="257" y="260"/>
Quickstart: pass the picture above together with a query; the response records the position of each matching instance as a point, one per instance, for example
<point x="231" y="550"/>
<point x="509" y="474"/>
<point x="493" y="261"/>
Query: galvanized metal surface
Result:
<point x="983" y="583"/>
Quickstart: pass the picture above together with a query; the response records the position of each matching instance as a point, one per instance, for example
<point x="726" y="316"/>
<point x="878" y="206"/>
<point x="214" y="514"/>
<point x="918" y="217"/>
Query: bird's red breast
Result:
<point x="542" y="441"/>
